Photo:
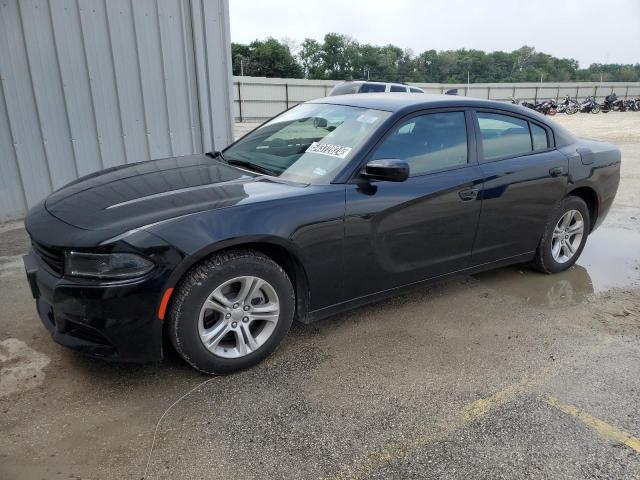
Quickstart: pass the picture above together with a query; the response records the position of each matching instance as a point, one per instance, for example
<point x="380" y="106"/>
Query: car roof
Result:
<point x="372" y="81"/>
<point x="394" y="102"/>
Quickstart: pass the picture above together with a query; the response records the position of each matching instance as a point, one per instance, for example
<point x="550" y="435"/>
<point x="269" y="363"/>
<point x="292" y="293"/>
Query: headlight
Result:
<point x="106" y="265"/>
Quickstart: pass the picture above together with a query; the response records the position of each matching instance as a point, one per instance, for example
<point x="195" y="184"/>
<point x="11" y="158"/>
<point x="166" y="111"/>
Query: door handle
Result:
<point x="556" y="171"/>
<point x="469" y="194"/>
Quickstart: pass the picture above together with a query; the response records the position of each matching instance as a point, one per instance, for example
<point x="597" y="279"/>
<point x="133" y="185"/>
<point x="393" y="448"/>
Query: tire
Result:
<point x="571" y="110"/>
<point x="548" y="262"/>
<point x="595" y="109"/>
<point x="247" y="319"/>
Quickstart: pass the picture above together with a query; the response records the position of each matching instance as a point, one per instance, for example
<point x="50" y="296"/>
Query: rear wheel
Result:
<point x="231" y="311"/>
<point x="564" y="237"/>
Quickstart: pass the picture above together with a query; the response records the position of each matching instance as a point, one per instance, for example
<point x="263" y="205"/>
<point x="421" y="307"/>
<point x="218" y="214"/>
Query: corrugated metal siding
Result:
<point x="92" y="84"/>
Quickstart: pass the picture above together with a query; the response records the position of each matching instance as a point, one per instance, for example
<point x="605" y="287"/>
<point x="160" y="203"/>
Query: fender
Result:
<point x="594" y="175"/>
<point x="189" y="261"/>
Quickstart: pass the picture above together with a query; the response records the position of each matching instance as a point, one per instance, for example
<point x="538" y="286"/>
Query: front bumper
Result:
<point x="114" y="321"/>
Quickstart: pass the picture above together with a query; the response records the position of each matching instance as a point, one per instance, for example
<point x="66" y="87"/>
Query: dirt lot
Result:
<point x="508" y="374"/>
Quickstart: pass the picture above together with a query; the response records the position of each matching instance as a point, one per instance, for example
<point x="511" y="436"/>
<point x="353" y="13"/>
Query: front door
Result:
<point x="400" y="233"/>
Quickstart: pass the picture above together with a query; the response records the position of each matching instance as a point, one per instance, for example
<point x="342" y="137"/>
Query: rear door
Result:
<point x="402" y="232"/>
<point x="524" y="178"/>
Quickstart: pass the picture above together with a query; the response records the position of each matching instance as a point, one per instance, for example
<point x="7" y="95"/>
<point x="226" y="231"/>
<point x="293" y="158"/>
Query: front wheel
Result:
<point x="231" y="311"/>
<point x="595" y="109"/>
<point x="564" y="237"/>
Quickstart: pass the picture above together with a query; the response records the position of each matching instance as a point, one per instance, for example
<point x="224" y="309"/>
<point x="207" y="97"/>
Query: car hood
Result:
<point x="139" y="194"/>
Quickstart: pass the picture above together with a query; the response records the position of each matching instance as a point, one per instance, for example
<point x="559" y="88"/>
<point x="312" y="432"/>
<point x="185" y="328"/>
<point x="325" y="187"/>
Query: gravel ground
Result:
<point x="507" y="374"/>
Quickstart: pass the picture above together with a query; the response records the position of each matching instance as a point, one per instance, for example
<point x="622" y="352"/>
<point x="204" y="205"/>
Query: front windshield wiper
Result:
<point x="243" y="163"/>
<point x="249" y="166"/>
<point x="216" y="154"/>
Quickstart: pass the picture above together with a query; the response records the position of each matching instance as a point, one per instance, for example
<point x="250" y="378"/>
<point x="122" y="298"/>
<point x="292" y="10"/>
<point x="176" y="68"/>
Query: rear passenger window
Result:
<point x="503" y="136"/>
<point x="415" y="90"/>
<point x="397" y="88"/>
<point x="372" y="87"/>
<point x="428" y="142"/>
<point x="539" y="137"/>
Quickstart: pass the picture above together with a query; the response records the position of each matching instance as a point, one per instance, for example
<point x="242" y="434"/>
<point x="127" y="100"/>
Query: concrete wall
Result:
<point x="92" y="84"/>
<point x="258" y="98"/>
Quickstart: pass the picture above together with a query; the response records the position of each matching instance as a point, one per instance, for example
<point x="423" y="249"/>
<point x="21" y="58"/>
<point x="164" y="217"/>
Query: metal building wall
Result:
<point x="92" y="84"/>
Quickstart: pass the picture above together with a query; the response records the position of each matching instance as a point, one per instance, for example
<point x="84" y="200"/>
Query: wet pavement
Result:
<point x="508" y="374"/>
<point x="611" y="259"/>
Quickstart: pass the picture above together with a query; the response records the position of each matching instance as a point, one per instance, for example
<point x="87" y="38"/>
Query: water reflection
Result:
<point x="566" y="288"/>
<point x="611" y="259"/>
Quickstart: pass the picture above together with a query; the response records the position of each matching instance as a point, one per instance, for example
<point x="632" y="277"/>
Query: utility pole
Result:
<point x="241" y="58"/>
<point x="240" y="101"/>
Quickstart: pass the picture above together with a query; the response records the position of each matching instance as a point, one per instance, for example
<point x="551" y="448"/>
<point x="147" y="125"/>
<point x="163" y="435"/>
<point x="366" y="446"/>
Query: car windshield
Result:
<point x="310" y="143"/>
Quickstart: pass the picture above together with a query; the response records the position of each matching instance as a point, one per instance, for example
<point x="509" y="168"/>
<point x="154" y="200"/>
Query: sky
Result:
<point x="590" y="31"/>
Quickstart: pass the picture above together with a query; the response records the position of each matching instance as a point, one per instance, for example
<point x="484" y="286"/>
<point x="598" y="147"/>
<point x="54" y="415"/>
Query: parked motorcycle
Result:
<point x="632" y="104"/>
<point x="546" y="107"/>
<point x="612" y="102"/>
<point x="568" y="105"/>
<point x="524" y="104"/>
<point x="589" y="105"/>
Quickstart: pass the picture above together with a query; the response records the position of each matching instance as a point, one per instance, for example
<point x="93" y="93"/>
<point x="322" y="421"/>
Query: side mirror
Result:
<point x="391" y="170"/>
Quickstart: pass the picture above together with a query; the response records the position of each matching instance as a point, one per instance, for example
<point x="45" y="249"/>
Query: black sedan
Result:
<point x="333" y="204"/>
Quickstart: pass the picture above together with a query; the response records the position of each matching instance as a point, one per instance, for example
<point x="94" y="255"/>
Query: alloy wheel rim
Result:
<point x="238" y="317"/>
<point x="567" y="236"/>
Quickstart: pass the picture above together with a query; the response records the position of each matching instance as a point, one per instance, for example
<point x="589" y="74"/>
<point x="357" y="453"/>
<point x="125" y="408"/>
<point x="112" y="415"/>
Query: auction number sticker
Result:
<point x="329" y="149"/>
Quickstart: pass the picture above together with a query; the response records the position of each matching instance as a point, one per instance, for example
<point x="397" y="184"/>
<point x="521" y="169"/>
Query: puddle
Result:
<point x="611" y="259"/>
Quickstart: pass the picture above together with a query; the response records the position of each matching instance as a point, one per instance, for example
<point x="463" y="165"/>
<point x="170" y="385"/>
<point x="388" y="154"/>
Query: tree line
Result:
<point x="340" y="57"/>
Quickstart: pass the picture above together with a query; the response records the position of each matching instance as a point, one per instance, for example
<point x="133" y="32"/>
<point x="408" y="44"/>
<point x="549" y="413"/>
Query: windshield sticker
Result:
<point x="319" y="171"/>
<point x="329" y="149"/>
<point x="367" y="117"/>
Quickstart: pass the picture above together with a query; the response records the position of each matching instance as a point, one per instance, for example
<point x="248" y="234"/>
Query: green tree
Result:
<point x="311" y="59"/>
<point x="267" y="58"/>
<point x="340" y="57"/>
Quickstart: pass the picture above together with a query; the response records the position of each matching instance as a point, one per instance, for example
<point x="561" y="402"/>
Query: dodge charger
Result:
<point x="330" y="205"/>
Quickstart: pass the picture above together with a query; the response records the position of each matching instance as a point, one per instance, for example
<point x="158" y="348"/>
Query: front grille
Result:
<point x="53" y="257"/>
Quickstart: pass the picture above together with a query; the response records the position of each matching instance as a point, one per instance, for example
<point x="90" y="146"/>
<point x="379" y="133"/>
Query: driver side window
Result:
<point x="428" y="143"/>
